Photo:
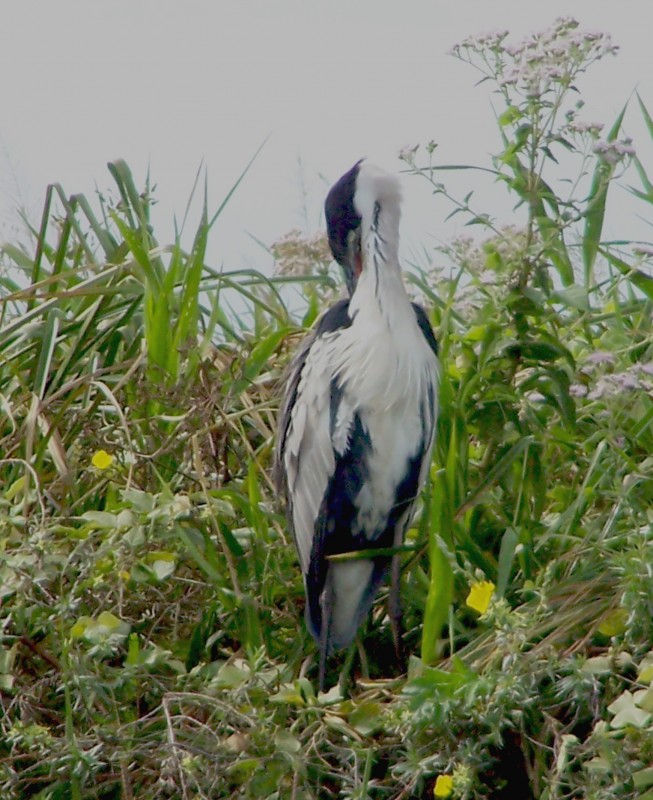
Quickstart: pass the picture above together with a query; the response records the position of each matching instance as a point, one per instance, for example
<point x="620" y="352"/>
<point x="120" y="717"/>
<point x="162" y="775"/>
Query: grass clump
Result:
<point x="152" y="642"/>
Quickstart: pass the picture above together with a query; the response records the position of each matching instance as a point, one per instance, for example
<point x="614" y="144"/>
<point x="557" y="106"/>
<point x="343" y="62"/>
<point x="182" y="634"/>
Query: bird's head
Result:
<point x="365" y="198"/>
<point x="344" y="226"/>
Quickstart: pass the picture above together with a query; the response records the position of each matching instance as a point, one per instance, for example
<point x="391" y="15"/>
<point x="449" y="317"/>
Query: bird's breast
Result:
<point x="383" y="366"/>
<point x="388" y="381"/>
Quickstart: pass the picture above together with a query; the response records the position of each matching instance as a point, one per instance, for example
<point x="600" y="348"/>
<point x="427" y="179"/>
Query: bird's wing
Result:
<point x="305" y="456"/>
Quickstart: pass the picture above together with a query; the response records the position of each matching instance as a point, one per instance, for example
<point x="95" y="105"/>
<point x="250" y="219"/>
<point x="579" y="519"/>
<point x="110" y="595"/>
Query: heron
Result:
<point x="357" y="423"/>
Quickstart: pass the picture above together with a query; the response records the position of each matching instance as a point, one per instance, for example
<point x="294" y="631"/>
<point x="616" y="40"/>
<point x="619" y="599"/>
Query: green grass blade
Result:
<point x="638" y="278"/>
<point x="242" y="175"/>
<point x="596" y="206"/>
<point x="47" y="348"/>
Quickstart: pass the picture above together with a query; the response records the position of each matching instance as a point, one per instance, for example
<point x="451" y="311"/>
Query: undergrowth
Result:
<point x="152" y="641"/>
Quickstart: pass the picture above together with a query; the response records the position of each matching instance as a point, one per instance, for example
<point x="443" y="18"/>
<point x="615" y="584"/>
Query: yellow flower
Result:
<point x="102" y="460"/>
<point x="480" y="594"/>
<point x="443" y="786"/>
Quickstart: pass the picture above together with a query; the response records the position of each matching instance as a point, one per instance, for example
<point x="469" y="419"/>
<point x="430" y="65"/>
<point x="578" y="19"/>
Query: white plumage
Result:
<point x="358" y="421"/>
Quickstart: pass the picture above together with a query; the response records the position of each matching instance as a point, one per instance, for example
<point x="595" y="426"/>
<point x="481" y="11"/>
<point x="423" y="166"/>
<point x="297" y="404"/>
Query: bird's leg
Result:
<point x="324" y="643"/>
<point x="327" y="606"/>
<point x="394" y="610"/>
<point x="362" y="657"/>
<point x="345" y="681"/>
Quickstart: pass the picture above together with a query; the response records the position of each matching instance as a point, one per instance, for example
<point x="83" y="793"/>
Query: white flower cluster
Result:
<point x="502" y="253"/>
<point x="540" y="62"/>
<point x="617" y="383"/>
<point x="491" y="264"/>
<point x="592" y="129"/>
<point x="408" y="153"/>
<point x="297" y="255"/>
<point x="490" y="40"/>
<point x="604" y="384"/>
<point x="615" y="152"/>
<point x="465" y="252"/>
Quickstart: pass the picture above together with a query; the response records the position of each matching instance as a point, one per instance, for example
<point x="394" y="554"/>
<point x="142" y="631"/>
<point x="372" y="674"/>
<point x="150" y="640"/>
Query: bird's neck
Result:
<point x="380" y="286"/>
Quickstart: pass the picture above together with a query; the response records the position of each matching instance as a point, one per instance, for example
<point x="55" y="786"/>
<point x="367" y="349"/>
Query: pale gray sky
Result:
<point x="172" y="84"/>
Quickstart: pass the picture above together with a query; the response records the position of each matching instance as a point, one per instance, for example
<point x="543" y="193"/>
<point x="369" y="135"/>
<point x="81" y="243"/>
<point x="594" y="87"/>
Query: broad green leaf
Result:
<point x="573" y="296"/>
<point x="626" y="713"/>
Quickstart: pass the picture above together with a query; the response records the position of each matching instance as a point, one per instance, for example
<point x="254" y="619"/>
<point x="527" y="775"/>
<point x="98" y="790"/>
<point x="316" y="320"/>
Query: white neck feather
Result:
<point x="380" y="285"/>
<point x="378" y="201"/>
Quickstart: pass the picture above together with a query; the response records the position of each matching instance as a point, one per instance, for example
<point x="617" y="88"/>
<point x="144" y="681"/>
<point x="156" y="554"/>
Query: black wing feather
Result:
<point x="336" y="522"/>
<point x="425" y="327"/>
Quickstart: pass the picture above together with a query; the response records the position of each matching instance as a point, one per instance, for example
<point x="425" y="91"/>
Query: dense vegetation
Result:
<point x="151" y="606"/>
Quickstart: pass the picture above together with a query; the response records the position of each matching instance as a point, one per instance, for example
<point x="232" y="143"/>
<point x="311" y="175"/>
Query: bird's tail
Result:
<point x="349" y="590"/>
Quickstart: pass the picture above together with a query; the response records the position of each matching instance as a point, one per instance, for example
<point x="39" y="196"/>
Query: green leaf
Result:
<point x="232" y="675"/>
<point x="497" y="471"/>
<point x="643" y="778"/>
<point x="262" y="352"/>
<point x="104" y="519"/>
<point x="289" y="694"/>
<point x="573" y="296"/>
<point x="367" y="718"/>
<point x="48" y="344"/>
<point x="638" y="278"/>
<point x="626" y="713"/>
<point x="509" y="542"/>
<point x="511" y="115"/>
<point x="231" y="541"/>
<point x="596" y="204"/>
<point x="99" y="631"/>
<point x="438" y="601"/>
<point x="163" y="569"/>
<point x="202" y="559"/>
<point x="536" y="350"/>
